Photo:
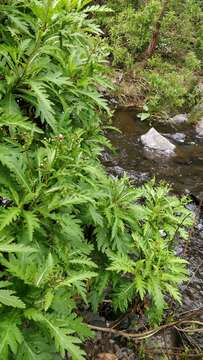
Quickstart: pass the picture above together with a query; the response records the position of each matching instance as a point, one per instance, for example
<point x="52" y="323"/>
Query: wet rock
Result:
<point x="179" y="251"/>
<point x="199" y="127"/>
<point x="95" y="319"/>
<point x="106" y="157"/>
<point x="156" y="156"/>
<point x="113" y="101"/>
<point x="197" y="199"/>
<point x="137" y="176"/>
<point x="118" y="171"/>
<point x="179" y="119"/>
<point x="160" y="344"/>
<point x="4" y="202"/>
<point x="178" y="137"/>
<point x="199" y="226"/>
<point x="192" y="206"/>
<point x="115" y="171"/>
<point x="153" y="140"/>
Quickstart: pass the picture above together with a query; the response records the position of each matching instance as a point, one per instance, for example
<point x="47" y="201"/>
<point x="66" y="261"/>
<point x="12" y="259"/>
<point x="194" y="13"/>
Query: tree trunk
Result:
<point x="156" y="32"/>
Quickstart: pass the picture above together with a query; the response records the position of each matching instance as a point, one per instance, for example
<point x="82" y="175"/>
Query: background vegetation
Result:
<point x="69" y="234"/>
<point x="158" y="44"/>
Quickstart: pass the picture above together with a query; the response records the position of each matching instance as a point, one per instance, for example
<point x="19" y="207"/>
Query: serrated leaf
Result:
<point x="44" y="106"/>
<point x="63" y="341"/>
<point x="48" y="298"/>
<point x="10" y="336"/>
<point x="13" y="159"/>
<point x="66" y="342"/>
<point x="140" y="285"/>
<point x="73" y="279"/>
<point x="25" y="352"/>
<point x="8" y="298"/>
<point x="32" y="223"/>
<point x="17" y="121"/>
<point x="174" y="292"/>
<point x="123" y="296"/>
<point x="7" y="216"/>
<point x="46" y="270"/>
<point x="17" y="248"/>
<point x="84" y="261"/>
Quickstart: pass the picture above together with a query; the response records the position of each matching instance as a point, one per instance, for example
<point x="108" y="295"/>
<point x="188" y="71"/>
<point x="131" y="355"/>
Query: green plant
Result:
<point x="167" y="90"/>
<point x="137" y="244"/>
<point x="62" y="219"/>
<point x="192" y="62"/>
<point x="154" y="270"/>
<point x="50" y="66"/>
<point x="130" y="31"/>
<point x="145" y="114"/>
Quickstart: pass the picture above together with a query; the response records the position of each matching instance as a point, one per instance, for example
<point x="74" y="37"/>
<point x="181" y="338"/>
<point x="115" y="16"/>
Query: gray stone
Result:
<point x="199" y="127"/>
<point x="179" y="137"/>
<point x="179" y="119"/>
<point x="199" y="226"/>
<point x="153" y="140"/>
<point x="166" y="340"/>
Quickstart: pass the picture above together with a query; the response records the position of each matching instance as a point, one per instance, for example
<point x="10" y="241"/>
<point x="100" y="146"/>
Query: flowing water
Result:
<point x="184" y="171"/>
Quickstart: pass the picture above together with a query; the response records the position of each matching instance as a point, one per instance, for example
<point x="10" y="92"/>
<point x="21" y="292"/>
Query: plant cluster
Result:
<point x="69" y="234"/>
<point x="167" y="89"/>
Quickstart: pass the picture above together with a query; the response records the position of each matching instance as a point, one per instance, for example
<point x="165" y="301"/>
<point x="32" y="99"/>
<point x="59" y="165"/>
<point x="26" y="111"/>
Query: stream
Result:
<point x="184" y="172"/>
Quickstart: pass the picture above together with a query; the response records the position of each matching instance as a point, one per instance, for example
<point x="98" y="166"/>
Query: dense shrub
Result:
<point x="67" y="230"/>
<point x="167" y="89"/>
<point x="130" y="31"/>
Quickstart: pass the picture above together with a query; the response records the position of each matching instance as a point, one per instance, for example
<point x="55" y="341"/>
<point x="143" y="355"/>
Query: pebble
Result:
<point x="199" y="226"/>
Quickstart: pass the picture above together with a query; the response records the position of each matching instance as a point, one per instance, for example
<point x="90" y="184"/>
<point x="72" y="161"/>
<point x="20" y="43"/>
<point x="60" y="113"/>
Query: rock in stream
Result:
<point x="154" y="140"/>
<point x="179" y="119"/>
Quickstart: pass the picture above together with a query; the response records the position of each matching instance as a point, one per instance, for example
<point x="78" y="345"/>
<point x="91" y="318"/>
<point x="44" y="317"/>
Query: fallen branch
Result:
<point x="152" y="332"/>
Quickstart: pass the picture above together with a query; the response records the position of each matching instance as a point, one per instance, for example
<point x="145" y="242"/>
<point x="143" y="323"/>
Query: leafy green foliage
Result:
<point x="132" y="28"/>
<point x="168" y="79"/>
<point x="153" y="270"/>
<point x="168" y="89"/>
<point x="64" y="224"/>
<point x="49" y="74"/>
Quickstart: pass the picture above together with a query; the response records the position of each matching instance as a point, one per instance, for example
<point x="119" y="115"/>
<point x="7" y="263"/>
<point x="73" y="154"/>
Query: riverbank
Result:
<point x="130" y="92"/>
